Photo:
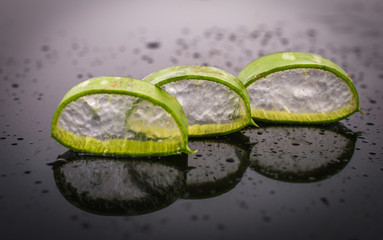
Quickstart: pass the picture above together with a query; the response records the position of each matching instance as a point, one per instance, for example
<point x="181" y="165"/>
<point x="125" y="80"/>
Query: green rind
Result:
<point x="213" y="74"/>
<point x="232" y="127"/>
<point x="131" y="87"/>
<point x="281" y="61"/>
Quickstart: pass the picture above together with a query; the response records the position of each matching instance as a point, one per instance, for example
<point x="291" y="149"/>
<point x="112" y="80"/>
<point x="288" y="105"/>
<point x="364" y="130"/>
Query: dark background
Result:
<point x="47" y="47"/>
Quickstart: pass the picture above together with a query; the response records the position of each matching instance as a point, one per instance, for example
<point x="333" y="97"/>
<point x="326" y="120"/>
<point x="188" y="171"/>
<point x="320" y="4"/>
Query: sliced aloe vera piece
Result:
<point x="297" y="87"/>
<point x="120" y="116"/>
<point x="301" y="153"/>
<point x="120" y="186"/>
<point x="214" y="101"/>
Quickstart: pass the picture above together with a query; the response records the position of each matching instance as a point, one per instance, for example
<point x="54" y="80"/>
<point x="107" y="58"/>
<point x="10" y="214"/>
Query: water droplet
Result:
<point x="230" y="160"/>
<point x="266" y="219"/>
<point x="196" y="55"/>
<point x="220" y="226"/>
<point x="85" y="225"/>
<point x="205" y="217"/>
<point x="45" y="48"/>
<point x="153" y="45"/>
<point x="325" y="201"/>
<point x="27" y="172"/>
<point x="15" y="85"/>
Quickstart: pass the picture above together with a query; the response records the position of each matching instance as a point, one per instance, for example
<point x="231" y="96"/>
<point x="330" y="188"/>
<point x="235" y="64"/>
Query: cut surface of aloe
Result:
<point x="298" y="88"/>
<point x="214" y="101"/>
<point x="120" y="116"/>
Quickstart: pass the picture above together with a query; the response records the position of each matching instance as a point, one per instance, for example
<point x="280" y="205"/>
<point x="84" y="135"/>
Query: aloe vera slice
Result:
<point x="214" y="101"/>
<point x="100" y="116"/>
<point x="295" y="87"/>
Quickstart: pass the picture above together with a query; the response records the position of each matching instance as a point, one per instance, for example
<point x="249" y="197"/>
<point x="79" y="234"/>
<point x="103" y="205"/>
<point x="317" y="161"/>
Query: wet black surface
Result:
<point x="272" y="182"/>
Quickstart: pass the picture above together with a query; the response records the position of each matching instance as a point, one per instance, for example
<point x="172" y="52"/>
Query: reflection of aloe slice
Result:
<point x="300" y="153"/>
<point x="117" y="186"/>
<point x="218" y="166"/>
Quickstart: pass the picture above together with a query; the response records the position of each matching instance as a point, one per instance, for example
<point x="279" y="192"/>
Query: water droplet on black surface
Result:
<point x="230" y="160"/>
<point x="284" y="41"/>
<point x="122" y="48"/>
<point x="45" y="48"/>
<point x="15" y="85"/>
<point x="325" y="201"/>
<point x="85" y="225"/>
<point x="27" y="172"/>
<point x="232" y="37"/>
<point x="311" y="32"/>
<point x="153" y="45"/>
<point x="254" y="34"/>
<point x="266" y="219"/>
<point x="220" y="226"/>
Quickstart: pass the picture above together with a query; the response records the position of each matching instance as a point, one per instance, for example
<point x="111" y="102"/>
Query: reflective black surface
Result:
<point x="272" y="182"/>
